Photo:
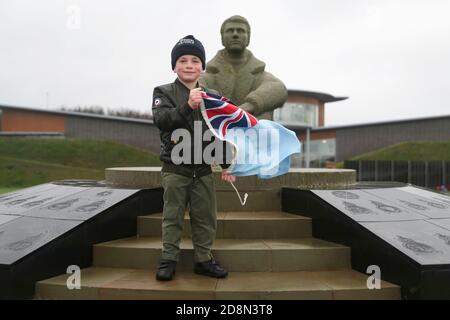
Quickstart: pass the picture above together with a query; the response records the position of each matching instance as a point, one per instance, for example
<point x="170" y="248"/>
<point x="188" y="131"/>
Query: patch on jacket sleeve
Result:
<point x="156" y="102"/>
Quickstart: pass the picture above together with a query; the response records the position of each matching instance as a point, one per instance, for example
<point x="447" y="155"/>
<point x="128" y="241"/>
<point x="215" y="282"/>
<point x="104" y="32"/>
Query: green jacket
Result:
<point x="170" y="112"/>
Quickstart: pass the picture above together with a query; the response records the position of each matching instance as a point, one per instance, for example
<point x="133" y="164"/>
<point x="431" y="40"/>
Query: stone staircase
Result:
<point x="269" y="254"/>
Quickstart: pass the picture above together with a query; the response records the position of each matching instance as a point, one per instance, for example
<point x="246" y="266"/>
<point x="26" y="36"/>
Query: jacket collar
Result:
<point x="180" y="84"/>
<point x="217" y="63"/>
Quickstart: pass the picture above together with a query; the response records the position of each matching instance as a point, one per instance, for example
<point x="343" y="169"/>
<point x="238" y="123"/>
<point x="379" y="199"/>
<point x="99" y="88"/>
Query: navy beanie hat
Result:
<point x="188" y="45"/>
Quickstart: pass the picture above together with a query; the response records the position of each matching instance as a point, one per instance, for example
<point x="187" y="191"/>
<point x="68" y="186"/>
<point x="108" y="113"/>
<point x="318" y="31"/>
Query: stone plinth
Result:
<point x="148" y="177"/>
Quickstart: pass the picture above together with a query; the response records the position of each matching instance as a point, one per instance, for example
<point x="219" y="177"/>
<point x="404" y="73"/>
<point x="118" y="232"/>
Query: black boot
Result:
<point x="210" y="268"/>
<point x="166" y="270"/>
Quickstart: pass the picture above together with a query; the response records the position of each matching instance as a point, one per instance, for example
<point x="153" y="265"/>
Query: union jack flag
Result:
<point x="223" y="114"/>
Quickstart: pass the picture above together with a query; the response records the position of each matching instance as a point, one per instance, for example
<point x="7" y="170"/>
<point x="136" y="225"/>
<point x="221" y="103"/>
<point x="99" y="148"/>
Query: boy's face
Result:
<point x="188" y="68"/>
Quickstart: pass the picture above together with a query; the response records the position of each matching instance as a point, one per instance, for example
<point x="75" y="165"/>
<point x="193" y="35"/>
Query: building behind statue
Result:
<point x="303" y="110"/>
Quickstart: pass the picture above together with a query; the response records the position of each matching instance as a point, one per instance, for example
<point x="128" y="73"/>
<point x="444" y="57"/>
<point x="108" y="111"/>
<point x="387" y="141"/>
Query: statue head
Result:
<point x="235" y="33"/>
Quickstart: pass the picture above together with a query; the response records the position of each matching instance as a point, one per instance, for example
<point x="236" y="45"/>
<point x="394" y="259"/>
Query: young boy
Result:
<point x="176" y="106"/>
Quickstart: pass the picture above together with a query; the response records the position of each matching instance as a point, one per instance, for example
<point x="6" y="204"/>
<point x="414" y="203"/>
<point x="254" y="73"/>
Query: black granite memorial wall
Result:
<point x="47" y="228"/>
<point x="402" y="229"/>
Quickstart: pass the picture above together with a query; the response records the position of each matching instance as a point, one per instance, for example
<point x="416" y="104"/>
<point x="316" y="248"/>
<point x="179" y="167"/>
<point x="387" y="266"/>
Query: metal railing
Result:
<point x="428" y="174"/>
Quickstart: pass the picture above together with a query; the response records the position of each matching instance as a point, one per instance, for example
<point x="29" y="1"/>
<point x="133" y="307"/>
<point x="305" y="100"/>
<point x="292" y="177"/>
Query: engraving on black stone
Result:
<point x="415" y="246"/>
<point x="19" y="201"/>
<point x="345" y="195"/>
<point x="9" y="196"/>
<point x="446" y="201"/>
<point x="434" y="204"/>
<point x="26" y="243"/>
<point x="62" y="205"/>
<point x="414" y="205"/>
<point x="444" y="237"/>
<point x="35" y="203"/>
<point x="90" y="207"/>
<point x="357" y="209"/>
<point x="80" y="183"/>
<point x="6" y="199"/>
<point x="104" y="193"/>
<point x="385" y="207"/>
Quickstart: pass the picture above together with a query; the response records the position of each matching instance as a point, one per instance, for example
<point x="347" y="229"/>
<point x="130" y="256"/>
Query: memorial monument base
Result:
<point x="269" y="253"/>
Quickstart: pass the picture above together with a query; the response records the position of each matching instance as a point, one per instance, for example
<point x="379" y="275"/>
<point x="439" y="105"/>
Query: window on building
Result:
<point x="304" y="114"/>
<point x="321" y="152"/>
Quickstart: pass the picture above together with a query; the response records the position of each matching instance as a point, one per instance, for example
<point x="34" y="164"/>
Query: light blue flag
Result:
<point x="260" y="147"/>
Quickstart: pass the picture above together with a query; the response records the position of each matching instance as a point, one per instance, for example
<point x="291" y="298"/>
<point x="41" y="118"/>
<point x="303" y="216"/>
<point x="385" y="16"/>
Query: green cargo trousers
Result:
<point x="199" y="193"/>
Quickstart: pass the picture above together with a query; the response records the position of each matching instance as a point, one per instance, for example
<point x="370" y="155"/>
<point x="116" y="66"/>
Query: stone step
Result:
<point x="244" y="225"/>
<point x="233" y="254"/>
<point x="258" y="200"/>
<point x="112" y="283"/>
<point x="314" y="178"/>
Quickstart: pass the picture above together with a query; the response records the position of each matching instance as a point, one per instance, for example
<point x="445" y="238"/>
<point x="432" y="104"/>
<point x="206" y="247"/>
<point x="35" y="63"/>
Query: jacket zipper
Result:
<point x="196" y="119"/>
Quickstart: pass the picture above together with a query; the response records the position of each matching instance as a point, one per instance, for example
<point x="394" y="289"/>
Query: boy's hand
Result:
<point x="195" y="97"/>
<point x="227" y="177"/>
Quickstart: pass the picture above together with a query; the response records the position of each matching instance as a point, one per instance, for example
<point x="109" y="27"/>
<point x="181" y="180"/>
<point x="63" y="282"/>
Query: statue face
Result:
<point x="235" y="36"/>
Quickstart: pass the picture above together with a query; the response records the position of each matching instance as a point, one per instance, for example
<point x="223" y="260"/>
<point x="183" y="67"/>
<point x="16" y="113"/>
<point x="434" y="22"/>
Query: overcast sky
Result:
<point x="391" y="58"/>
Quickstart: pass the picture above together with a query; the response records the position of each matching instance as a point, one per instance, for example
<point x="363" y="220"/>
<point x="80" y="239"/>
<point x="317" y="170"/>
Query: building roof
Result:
<point x="380" y="123"/>
<point x="296" y="126"/>
<point x="322" y="97"/>
<point x="78" y="114"/>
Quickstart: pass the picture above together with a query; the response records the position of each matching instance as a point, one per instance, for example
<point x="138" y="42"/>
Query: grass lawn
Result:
<point x="414" y="151"/>
<point x="418" y="150"/>
<point x="6" y="190"/>
<point x="26" y="162"/>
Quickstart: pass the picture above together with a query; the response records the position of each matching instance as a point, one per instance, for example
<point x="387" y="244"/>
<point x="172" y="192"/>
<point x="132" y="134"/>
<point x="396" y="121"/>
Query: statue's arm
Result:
<point x="270" y="94"/>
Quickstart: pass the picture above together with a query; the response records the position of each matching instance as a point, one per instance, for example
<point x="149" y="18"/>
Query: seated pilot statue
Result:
<point x="236" y="74"/>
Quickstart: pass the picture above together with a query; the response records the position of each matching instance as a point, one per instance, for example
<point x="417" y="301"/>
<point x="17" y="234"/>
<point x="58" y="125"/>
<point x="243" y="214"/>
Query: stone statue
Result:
<point x="236" y="74"/>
